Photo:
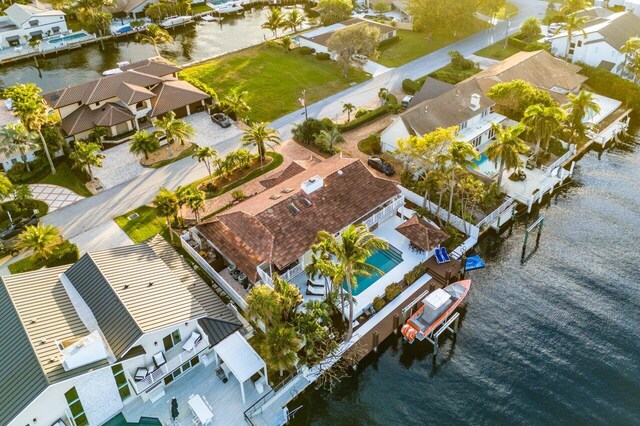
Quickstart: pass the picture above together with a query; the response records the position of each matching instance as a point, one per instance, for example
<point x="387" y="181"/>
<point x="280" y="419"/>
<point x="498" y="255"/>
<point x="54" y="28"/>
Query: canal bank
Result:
<point x="550" y="340"/>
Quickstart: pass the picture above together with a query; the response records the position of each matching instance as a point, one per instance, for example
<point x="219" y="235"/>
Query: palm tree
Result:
<point x="348" y="108"/>
<point x="289" y="295"/>
<point x="275" y="21"/>
<point x="543" y="122"/>
<point x="573" y="23"/>
<point x="260" y="136"/>
<point x="155" y="36"/>
<point x="263" y="305"/>
<point x="459" y="157"/>
<point x="39" y="238"/>
<point x="208" y="156"/>
<point x="572" y="6"/>
<point x="383" y="94"/>
<point x="348" y="255"/>
<point x="86" y="155"/>
<point x="631" y="50"/>
<point x="98" y="134"/>
<point x="235" y="103"/>
<point x="281" y="345"/>
<point x="506" y="148"/>
<point x="14" y="137"/>
<point x="175" y="129"/>
<point x="286" y="42"/>
<point x="166" y="202"/>
<point x="329" y="137"/>
<point x="21" y="194"/>
<point x="293" y="20"/>
<point x="144" y="143"/>
<point x="194" y="199"/>
<point x="580" y="106"/>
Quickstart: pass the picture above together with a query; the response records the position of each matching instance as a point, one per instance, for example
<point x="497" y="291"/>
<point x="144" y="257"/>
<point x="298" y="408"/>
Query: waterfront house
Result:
<point x="23" y="23"/>
<point x="601" y="43"/>
<point x="125" y="101"/>
<point x="117" y="330"/>
<point x="272" y="232"/>
<point x="7" y="116"/>
<point x="629" y="5"/>
<point x="132" y="8"/>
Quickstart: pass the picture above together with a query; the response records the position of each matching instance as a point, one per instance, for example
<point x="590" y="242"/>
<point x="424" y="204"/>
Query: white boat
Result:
<point x="229" y="7"/>
<point x="210" y="18"/>
<point x="173" y="21"/>
<point x="116" y="70"/>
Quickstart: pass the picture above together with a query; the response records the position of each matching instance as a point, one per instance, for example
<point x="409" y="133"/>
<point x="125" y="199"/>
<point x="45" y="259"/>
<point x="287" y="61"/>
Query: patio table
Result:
<point x="200" y="409"/>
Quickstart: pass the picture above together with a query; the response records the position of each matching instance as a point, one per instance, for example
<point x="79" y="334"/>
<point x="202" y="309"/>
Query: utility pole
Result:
<point x="303" y="102"/>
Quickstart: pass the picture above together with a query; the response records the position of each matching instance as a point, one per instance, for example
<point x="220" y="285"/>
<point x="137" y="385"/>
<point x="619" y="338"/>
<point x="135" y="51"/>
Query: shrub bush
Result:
<point x="389" y="42"/>
<point x="323" y="56"/>
<point x="328" y="123"/>
<point x="371" y="145"/>
<point x="19" y="173"/>
<point x="64" y="253"/>
<point x="556" y="148"/>
<point x="361" y="112"/>
<point x="410" y="87"/>
<point x="371" y="115"/>
<point x="237" y="195"/>
<point x="305" y="50"/>
<point x="413" y="275"/>
<point x="392" y="291"/>
<point x="378" y="303"/>
<point x="613" y="86"/>
<point x="307" y="131"/>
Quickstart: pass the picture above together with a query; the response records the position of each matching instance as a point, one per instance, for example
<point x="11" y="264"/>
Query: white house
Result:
<point x="601" y="42"/>
<point x="464" y="105"/>
<point x="629" y="5"/>
<point x="7" y="116"/>
<point x="81" y="342"/>
<point x="24" y="23"/>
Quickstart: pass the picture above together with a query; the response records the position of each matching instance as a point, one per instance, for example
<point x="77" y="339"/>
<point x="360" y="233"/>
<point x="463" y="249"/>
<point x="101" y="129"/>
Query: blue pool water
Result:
<point x="485" y="166"/>
<point x="69" y="37"/>
<point x="124" y="29"/>
<point x="385" y="260"/>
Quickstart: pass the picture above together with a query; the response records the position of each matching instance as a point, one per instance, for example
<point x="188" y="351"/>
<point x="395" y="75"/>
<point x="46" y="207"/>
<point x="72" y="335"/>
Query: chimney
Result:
<point x="475" y="102"/>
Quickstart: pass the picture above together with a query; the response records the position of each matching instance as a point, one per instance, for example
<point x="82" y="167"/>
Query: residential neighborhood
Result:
<point x="327" y="212"/>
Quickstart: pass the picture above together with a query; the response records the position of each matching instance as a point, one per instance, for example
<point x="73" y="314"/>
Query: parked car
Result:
<point x="9" y="247"/>
<point x="221" y="119"/>
<point x="406" y="100"/>
<point x="380" y="165"/>
<point x="16" y="227"/>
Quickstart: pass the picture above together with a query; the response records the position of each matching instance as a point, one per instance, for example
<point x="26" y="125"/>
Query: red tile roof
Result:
<point x="422" y="233"/>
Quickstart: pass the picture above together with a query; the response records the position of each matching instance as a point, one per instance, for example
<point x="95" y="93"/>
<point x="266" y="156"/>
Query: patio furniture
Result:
<point x="141" y="373"/>
<point x="439" y="257"/>
<point x="315" y="291"/>
<point x="259" y="387"/>
<point x="200" y="410"/>
<point x="445" y="255"/>
<point x="221" y="375"/>
<point x="311" y="283"/>
<point x="190" y="344"/>
<point x="159" y="359"/>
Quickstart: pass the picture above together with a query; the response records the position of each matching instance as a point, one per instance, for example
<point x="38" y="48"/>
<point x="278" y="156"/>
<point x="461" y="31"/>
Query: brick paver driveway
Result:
<point x="55" y="196"/>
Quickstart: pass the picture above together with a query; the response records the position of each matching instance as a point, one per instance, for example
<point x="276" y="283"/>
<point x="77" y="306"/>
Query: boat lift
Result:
<point x="435" y="335"/>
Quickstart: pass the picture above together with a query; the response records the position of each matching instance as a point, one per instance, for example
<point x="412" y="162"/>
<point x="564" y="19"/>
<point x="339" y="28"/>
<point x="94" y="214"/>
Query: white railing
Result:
<point x="212" y="273"/>
<point x="172" y="364"/>
<point x="264" y="276"/>
<point x="293" y="272"/>
<point x="387" y="211"/>
<point x="559" y="162"/>
<point x="496" y="213"/>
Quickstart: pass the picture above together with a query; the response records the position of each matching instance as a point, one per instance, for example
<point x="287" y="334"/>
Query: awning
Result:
<point x="35" y="33"/>
<point x="241" y="359"/>
<point x="13" y="38"/>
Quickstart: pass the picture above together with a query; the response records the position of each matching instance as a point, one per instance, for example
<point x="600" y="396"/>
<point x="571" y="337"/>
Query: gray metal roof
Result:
<point x="431" y="88"/>
<point x="217" y="330"/>
<point x="619" y="30"/>
<point x="21" y="376"/>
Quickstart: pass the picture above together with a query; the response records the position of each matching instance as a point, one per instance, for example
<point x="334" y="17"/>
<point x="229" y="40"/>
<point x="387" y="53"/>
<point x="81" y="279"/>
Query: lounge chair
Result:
<point x="445" y="255"/>
<point x="192" y="342"/>
<point x="311" y="283"/>
<point x="159" y="359"/>
<point x="141" y="373"/>
<point x="315" y="291"/>
<point x="439" y="257"/>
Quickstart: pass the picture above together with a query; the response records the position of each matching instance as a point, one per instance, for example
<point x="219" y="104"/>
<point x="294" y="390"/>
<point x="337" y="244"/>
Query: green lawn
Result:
<point x="67" y="177"/>
<point x="145" y="226"/>
<point x="497" y="51"/>
<point x="186" y="153"/>
<point x="64" y="253"/>
<point x="450" y="75"/>
<point x="413" y="45"/>
<point x="200" y="8"/>
<point x="274" y="78"/>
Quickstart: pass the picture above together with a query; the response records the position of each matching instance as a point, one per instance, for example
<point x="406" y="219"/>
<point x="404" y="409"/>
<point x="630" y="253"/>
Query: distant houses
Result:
<point x="24" y="23"/>
<point x="629" y="5"/>
<point x="9" y="159"/>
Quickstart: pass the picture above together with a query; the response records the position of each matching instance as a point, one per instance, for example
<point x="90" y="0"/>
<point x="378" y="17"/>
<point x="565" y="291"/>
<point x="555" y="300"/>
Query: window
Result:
<point x="121" y="381"/>
<point x="486" y="112"/>
<point x="171" y="340"/>
<point x="579" y="43"/>
<point x="463" y="125"/>
<point x="476" y="141"/>
<point x="75" y="406"/>
<point x="141" y="105"/>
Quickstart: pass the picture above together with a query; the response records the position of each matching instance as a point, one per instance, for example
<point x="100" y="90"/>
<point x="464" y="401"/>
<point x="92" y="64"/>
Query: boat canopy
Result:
<point x="436" y="299"/>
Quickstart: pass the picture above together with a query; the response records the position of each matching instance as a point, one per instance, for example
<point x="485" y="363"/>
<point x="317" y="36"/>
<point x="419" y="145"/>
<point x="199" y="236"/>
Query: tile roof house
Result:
<point x="318" y="38"/>
<point x="601" y="43"/>
<point x="23" y="23"/>
<point x="109" y="328"/>
<point x="126" y="100"/>
<point x="273" y="230"/>
<point x="9" y="158"/>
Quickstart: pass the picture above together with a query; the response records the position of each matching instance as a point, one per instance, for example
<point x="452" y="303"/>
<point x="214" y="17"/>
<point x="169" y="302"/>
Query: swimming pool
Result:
<point x="124" y="29"/>
<point x="67" y="38"/>
<point x="486" y="166"/>
<point x="385" y="260"/>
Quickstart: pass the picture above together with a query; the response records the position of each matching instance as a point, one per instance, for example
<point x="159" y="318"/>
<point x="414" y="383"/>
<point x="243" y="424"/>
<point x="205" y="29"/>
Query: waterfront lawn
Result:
<point x="200" y="8"/>
<point x="497" y="51"/>
<point x="413" y="45"/>
<point x="148" y="224"/>
<point x="273" y="78"/>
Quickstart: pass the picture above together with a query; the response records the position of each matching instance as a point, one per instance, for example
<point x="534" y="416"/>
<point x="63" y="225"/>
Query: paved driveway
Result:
<point x="209" y="133"/>
<point x="55" y="196"/>
<point x="118" y="166"/>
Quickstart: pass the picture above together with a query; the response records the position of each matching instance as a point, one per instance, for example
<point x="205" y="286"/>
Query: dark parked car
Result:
<point x="380" y="165"/>
<point x="221" y="119"/>
<point x="15" y="228"/>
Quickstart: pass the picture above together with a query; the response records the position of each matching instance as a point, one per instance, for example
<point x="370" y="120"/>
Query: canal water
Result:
<point x="555" y="340"/>
<point x="191" y="43"/>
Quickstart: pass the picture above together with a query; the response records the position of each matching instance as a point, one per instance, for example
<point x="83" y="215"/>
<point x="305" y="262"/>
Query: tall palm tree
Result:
<point x="349" y="252"/>
<point x="98" y="134"/>
<point x="194" y="199"/>
<point x="208" y="156"/>
<point x="87" y="155"/>
<point x="573" y="23"/>
<point x="260" y="136"/>
<point x="321" y="266"/>
<point x="166" y="202"/>
<point x="506" y="148"/>
<point x="144" y="143"/>
<point x="580" y="106"/>
<point x="281" y="345"/>
<point x="572" y="6"/>
<point x="293" y="20"/>
<point x="633" y="66"/>
<point x="175" y="129"/>
<point x="15" y="138"/>
<point x="39" y="238"/>
<point x="235" y="103"/>
<point x="155" y="35"/>
<point x="275" y="21"/>
<point x="289" y="295"/>
<point x="543" y="122"/>
<point x="329" y="137"/>
<point x="263" y="304"/>
<point x="630" y="50"/>
<point x="348" y="108"/>
<point x="460" y="156"/>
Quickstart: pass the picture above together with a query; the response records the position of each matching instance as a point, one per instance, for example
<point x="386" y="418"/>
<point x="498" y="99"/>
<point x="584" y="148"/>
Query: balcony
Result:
<point x="175" y="357"/>
<point x="387" y="211"/>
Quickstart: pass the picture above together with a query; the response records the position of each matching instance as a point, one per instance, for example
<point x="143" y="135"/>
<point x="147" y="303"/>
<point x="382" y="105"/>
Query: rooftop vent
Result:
<point x="150" y="283"/>
<point x="287" y="190"/>
<point x="293" y="209"/>
<point x="306" y="202"/>
<point x="340" y="172"/>
<point x="275" y="196"/>
<point x="312" y="184"/>
<point x="133" y="216"/>
<point x="475" y="102"/>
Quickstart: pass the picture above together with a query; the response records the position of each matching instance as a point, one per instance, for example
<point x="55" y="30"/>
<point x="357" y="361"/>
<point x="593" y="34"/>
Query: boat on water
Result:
<point x="210" y="18"/>
<point x="435" y="309"/>
<point x="116" y="70"/>
<point x="174" y="21"/>
<point x="229" y="7"/>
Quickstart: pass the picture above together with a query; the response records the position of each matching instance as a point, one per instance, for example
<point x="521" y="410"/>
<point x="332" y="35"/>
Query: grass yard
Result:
<point x="450" y="75"/>
<point x="497" y="51"/>
<point x="185" y="153"/>
<point x="200" y="8"/>
<point x="274" y="78"/>
<point x="413" y="45"/>
<point x="145" y="226"/>
<point x="64" y="253"/>
<point x="67" y="177"/>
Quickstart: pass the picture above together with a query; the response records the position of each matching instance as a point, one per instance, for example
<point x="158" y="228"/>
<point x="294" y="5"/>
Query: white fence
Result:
<point x="559" y="162"/>
<point x="494" y="215"/>
<point x="390" y="210"/>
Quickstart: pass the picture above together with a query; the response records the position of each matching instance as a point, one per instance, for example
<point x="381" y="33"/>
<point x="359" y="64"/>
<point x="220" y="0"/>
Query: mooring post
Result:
<point x="376" y="337"/>
<point x="463" y="262"/>
<point x="396" y="323"/>
<point x="435" y="345"/>
<point x="432" y="286"/>
<point x="524" y="245"/>
<point x="455" y="325"/>
<point x="447" y="276"/>
<point x="539" y="233"/>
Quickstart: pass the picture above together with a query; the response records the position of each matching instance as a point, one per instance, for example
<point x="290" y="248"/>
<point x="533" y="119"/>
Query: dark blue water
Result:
<point x="553" y="341"/>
